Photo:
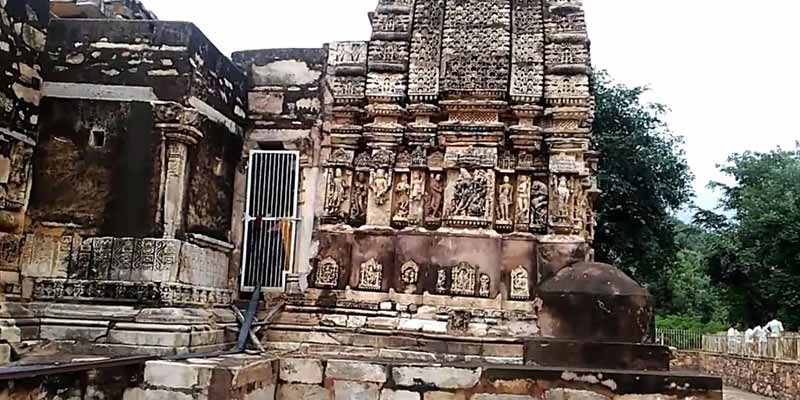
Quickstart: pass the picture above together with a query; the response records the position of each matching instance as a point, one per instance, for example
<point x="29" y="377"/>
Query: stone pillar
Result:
<point x="179" y="130"/>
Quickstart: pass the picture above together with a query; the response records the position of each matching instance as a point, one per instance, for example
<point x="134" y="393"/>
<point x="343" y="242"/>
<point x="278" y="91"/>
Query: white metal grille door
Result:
<point x="270" y="223"/>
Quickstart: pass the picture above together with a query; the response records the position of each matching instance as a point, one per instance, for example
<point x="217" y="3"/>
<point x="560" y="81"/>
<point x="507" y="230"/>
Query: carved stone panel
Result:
<point x="425" y="50"/>
<point x="380" y="198"/>
<point x="402" y="199"/>
<point x="470" y="198"/>
<point x="358" y="208"/>
<point x="505" y="202"/>
<point x="477" y="41"/>
<point x="409" y="275"/>
<point x="527" y="69"/>
<point x="523" y="202"/>
<point x="464" y="280"/>
<point x="434" y="205"/>
<point x="539" y="201"/>
<point x="337" y="194"/>
<point x="327" y="273"/>
<point x="371" y="275"/>
<point x="484" y="286"/>
<point x="520" y="284"/>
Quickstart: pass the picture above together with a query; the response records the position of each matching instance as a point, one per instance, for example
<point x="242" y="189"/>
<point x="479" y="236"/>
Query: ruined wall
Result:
<point x="211" y="180"/>
<point x="23" y="32"/>
<point x="771" y="378"/>
<point x="287" y="90"/>
<point x="172" y="61"/>
<point x="97" y="172"/>
<point x="109" y="383"/>
<point x="23" y="27"/>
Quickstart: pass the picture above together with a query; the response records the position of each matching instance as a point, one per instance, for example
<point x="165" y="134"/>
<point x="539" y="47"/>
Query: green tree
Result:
<point x="757" y="255"/>
<point x="645" y="179"/>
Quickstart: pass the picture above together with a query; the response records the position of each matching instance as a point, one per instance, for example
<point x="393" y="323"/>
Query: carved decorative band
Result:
<point x="153" y="293"/>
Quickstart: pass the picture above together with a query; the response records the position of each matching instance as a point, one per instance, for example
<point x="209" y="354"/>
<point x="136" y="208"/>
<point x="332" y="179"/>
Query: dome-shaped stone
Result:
<point x="593" y="301"/>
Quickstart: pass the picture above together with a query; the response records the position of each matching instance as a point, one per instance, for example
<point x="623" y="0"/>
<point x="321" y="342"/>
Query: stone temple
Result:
<point x="418" y="210"/>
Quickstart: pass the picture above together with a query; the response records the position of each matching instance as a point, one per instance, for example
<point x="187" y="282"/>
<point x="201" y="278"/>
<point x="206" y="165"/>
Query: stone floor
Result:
<point x="736" y="394"/>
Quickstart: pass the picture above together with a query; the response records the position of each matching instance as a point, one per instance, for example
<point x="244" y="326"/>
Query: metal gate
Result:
<point x="270" y="221"/>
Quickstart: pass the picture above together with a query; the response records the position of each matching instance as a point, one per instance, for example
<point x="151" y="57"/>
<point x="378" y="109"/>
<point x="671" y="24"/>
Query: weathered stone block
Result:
<point x="265" y="393"/>
<point x="10" y="334"/>
<point x="388" y="394"/>
<point x="304" y="392"/>
<point x="348" y="390"/>
<point x="486" y="396"/>
<point x="356" y="321"/>
<point x="295" y="370"/>
<point x="356" y="371"/>
<point x="444" y="396"/>
<point x="572" y="394"/>
<point x="154" y="394"/>
<point x="79" y="333"/>
<point x="442" y="378"/>
<point x="5" y="354"/>
<point x="164" y="339"/>
<point x="176" y="375"/>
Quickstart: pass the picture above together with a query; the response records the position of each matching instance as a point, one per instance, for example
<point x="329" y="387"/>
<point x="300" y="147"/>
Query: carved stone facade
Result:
<point x="469" y="116"/>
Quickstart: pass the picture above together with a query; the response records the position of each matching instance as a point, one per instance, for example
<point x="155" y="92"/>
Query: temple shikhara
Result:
<point x="418" y="210"/>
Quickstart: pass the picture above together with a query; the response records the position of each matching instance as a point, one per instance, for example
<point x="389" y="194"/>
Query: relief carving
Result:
<point x="327" y="273"/>
<point x="441" y="281"/>
<point x="338" y="189"/>
<point x="523" y="199"/>
<point x="485" y="284"/>
<point x="380" y="187"/>
<point x="464" y="279"/>
<point x="403" y="193"/>
<point x="562" y="208"/>
<point x="470" y="194"/>
<point x="360" y="196"/>
<point x="435" y="196"/>
<point x="505" y="198"/>
<point x="539" y="198"/>
<point x="520" y="286"/>
<point x="371" y="275"/>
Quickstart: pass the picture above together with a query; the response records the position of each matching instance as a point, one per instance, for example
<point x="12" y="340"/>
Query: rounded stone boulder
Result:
<point x="595" y="302"/>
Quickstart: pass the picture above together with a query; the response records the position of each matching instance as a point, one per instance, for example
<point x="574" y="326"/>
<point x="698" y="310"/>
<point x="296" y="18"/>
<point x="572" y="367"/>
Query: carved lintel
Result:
<point x="178" y="123"/>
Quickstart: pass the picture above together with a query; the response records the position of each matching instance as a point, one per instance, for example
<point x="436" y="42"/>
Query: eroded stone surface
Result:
<point x="301" y="391"/>
<point x="572" y="394"/>
<point x="388" y="394"/>
<point x="355" y="371"/>
<point x="444" y="378"/>
<point x="349" y="390"/>
<point x="296" y="370"/>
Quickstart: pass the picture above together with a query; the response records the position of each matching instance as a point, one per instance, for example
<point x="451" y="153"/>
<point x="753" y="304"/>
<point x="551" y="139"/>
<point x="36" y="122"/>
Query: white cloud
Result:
<point x="726" y="68"/>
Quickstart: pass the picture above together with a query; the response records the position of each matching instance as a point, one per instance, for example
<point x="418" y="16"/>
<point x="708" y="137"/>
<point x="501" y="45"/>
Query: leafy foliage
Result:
<point x="645" y="178"/>
<point x="684" y="323"/>
<point x="757" y="254"/>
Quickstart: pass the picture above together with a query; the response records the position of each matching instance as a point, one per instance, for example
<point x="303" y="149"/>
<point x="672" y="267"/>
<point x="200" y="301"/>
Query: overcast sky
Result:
<point x="726" y="68"/>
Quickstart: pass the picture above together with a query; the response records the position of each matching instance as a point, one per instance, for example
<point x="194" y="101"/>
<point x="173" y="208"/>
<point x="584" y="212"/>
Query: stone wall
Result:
<point x="168" y="61"/>
<point x="23" y="33"/>
<point x="294" y="378"/>
<point x="108" y="149"/>
<point x="771" y="378"/>
<point x="110" y="383"/>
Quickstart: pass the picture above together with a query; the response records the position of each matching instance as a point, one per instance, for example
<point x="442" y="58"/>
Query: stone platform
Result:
<point x="119" y="330"/>
<point x="248" y="377"/>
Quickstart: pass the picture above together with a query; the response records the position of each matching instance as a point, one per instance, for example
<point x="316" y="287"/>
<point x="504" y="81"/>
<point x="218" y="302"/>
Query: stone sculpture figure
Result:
<point x="563" y="195"/>
<point x="470" y="194"/>
<point x="484" y="288"/>
<point x="417" y="187"/>
<point x="463" y="279"/>
<point x="519" y="284"/>
<point x="371" y="275"/>
<point x="402" y="191"/>
<point x="327" y="273"/>
<point x="523" y="199"/>
<point x="436" y="196"/>
<point x="380" y="187"/>
<point x="441" y="281"/>
<point x="337" y="193"/>
<point x="360" y="195"/>
<point x="539" y="200"/>
<point x="505" y="200"/>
